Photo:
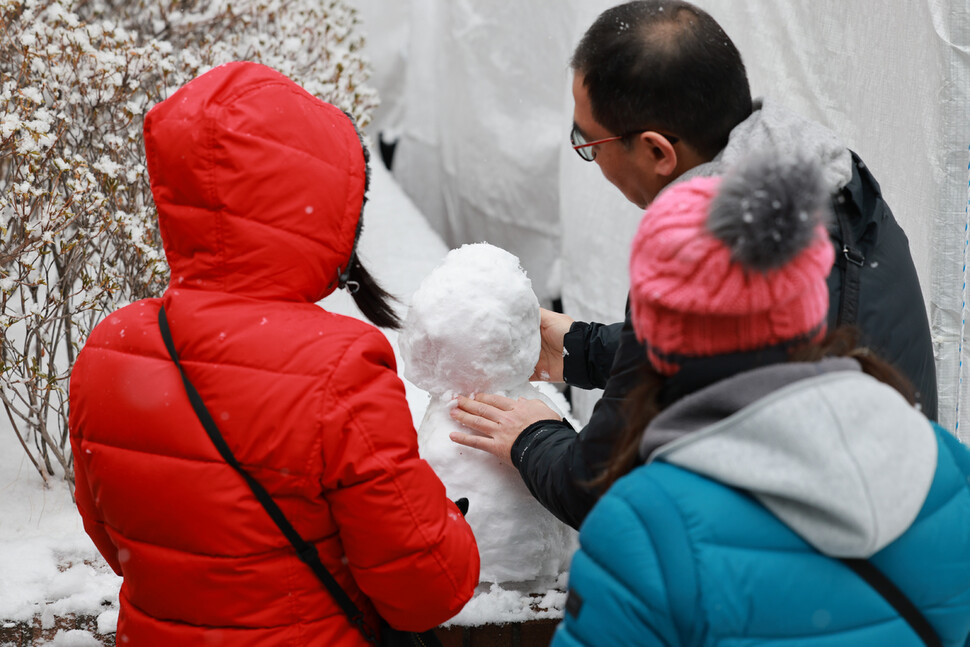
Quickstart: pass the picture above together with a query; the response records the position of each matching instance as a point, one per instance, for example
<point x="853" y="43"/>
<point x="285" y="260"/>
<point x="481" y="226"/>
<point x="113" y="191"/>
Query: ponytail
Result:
<point x="372" y="300"/>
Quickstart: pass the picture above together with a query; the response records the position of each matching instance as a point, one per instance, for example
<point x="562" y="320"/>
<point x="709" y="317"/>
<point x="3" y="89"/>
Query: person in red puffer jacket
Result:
<point x="260" y="188"/>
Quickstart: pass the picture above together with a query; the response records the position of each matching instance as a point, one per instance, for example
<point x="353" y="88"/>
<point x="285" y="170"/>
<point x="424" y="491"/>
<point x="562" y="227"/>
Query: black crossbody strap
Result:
<point x="884" y="586"/>
<point x="306" y="551"/>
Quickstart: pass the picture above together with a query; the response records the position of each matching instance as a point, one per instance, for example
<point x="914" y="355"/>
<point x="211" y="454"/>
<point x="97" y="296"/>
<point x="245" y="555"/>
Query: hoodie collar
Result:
<point x="773" y="126"/>
<point x="839" y="457"/>
<point x="719" y="399"/>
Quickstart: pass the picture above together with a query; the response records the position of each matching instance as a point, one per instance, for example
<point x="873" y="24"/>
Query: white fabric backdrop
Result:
<point x="387" y="31"/>
<point x="479" y="147"/>
<point x="486" y="112"/>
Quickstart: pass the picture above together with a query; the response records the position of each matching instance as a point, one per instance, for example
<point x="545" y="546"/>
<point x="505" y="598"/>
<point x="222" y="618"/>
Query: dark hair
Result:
<point x="374" y="302"/>
<point x="643" y="403"/>
<point x="665" y="65"/>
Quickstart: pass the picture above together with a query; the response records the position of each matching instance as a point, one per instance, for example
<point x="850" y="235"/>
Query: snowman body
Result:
<point x="473" y="327"/>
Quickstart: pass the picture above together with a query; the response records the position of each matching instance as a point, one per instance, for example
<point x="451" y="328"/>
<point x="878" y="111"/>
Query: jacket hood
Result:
<point x="773" y="126"/>
<point x="838" y="456"/>
<point x="259" y="185"/>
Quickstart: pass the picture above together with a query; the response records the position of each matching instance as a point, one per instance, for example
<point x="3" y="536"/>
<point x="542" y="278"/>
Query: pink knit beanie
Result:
<point x="722" y="265"/>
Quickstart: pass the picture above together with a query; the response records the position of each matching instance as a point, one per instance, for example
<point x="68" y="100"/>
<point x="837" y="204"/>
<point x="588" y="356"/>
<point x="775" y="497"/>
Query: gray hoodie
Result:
<point x="836" y="455"/>
<point x="772" y="126"/>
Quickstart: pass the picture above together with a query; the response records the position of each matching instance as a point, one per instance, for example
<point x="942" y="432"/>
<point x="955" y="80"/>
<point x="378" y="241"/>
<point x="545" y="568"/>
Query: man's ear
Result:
<point x="662" y="152"/>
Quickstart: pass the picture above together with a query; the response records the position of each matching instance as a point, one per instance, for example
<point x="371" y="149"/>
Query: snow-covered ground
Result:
<point x="48" y="566"/>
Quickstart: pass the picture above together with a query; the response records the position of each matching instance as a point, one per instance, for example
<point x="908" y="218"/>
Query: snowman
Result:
<point x="473" y="327"/>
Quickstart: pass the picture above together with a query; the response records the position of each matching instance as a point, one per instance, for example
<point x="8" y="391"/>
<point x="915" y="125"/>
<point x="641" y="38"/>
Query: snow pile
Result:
<point x="50" y="569"/>
<point x="75" y="638"/>
<point x="494" y="604"/>
<point x="473" y="327"/>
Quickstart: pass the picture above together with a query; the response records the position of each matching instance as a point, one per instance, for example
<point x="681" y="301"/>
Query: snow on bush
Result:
<point x="78" y="232"/>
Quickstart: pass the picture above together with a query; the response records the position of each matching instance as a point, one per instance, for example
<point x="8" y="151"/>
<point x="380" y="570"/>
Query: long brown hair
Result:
<point x="644" y="401"/>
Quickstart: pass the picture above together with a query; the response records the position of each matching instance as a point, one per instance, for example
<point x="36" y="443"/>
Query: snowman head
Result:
<point x="473" y="324"/>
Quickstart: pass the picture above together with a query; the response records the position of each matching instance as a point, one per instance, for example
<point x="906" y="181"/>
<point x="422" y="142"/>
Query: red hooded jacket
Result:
<point x="259" y="187"/>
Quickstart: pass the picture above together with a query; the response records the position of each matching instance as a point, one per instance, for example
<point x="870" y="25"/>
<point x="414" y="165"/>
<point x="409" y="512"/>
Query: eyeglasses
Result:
<point x="585" y="149"/>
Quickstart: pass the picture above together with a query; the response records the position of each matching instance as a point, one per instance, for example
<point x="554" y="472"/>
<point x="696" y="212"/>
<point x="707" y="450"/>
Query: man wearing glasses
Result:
<point x="661" y="95"/>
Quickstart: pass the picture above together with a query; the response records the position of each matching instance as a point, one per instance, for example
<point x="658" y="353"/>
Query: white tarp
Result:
<point x="387" y="35"/>
<point x="483" y="124"/>
<point x="487" y="111"/>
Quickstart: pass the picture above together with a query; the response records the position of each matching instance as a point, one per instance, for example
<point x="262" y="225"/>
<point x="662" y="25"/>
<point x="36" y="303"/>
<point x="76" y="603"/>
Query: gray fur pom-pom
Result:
<point x="767" y="209"/>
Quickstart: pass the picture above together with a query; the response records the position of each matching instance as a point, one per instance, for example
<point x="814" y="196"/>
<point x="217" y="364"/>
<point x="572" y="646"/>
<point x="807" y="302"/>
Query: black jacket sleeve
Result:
<point x="555" y="462"/>
<point x="588" y="353"/>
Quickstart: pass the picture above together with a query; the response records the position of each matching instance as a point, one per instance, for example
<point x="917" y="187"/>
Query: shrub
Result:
<point x="78" y="229"/>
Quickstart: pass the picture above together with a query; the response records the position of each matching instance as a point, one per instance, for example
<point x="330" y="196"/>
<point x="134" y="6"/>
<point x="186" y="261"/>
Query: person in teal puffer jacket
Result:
<point x="765" y="457"/>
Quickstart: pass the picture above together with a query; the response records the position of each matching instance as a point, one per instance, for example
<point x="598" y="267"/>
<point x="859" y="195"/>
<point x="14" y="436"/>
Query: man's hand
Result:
<point x="498" y="421"/>
<point x="553" y="326"/>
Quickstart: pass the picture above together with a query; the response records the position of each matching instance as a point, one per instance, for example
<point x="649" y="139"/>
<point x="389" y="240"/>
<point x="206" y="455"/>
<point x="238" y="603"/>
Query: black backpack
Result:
<point x="874" y="285"/>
